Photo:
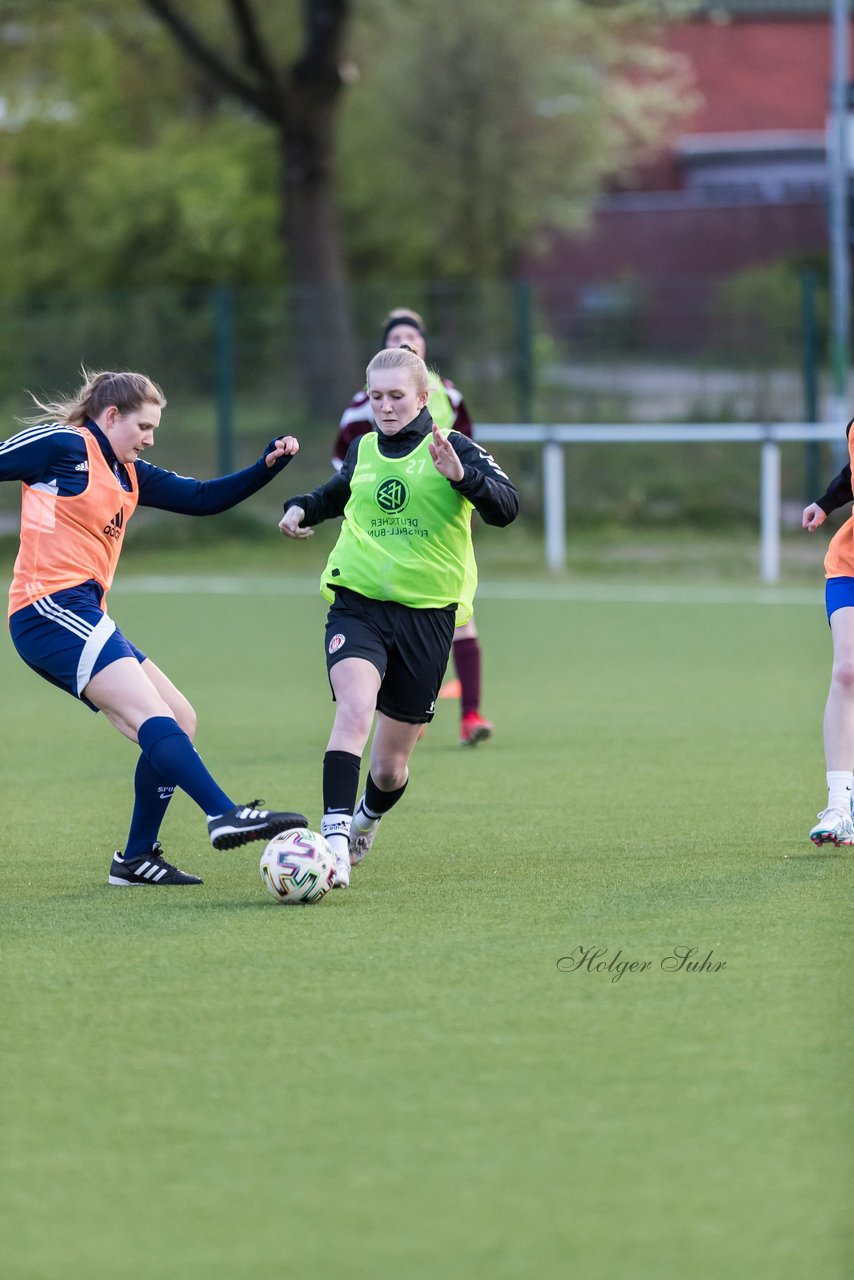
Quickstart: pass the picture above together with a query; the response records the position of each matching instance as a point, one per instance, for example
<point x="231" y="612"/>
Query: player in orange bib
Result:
<point x="83" y="477"/>
<point x="835" y="825"/>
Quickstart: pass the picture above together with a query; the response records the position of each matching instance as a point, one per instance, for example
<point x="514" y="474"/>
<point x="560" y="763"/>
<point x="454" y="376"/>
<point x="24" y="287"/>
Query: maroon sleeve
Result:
<point x="346" y="436"/>
<point x="462" y="421"/>
<point x="356" y="420"/>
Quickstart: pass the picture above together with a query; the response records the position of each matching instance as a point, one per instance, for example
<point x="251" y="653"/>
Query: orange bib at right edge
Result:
<point x="839" y="560"/>
<point x="66" y="541"/>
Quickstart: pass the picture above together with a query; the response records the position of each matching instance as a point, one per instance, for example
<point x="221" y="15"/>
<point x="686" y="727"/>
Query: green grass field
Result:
<point x="402" y="1081"/>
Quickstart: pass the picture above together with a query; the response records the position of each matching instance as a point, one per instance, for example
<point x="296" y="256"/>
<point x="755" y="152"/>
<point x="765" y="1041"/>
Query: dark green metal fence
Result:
<point x="232" y="363"/>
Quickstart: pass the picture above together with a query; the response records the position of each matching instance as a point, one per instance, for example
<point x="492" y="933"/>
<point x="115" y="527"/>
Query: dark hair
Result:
<point x="402" y="315"/>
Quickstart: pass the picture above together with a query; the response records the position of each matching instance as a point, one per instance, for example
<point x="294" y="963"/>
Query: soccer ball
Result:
<point x="298" y="866"/>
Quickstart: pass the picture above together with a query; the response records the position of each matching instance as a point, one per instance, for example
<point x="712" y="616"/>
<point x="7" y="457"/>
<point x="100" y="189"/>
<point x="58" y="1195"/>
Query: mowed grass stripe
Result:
<point x="490" y="589"/>
<point x="401" y="1081"/>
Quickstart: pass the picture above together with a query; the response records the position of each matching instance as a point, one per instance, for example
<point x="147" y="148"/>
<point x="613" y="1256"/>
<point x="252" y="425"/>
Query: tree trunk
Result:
<point x="300" y="105"/>
<point x="318" y="275"/>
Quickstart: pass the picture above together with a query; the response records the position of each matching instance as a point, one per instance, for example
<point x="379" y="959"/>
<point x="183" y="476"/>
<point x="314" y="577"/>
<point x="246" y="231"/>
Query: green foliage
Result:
<point x="763" y="309"/>
<point x="467" y="131"/>
<point x="187" y="212"/>
<point x="122" y="169"/>
<point x="475" y="128"/>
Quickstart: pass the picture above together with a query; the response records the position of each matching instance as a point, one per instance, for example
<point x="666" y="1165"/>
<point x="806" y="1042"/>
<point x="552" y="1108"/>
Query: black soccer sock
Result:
<point x="340" y="781"/>
<point x="377" y="802"/>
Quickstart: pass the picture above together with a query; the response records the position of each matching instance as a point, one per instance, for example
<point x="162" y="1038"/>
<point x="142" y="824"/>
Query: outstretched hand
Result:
<point x="291" y="524"/>
<point x="813" y="517"/>
<point x="444" y="456"/>
<point x="285" y="446"/>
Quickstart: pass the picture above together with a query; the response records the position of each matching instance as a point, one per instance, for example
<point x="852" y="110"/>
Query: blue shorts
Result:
<point x="67" y="639"/>
<point x="838" y="594"/>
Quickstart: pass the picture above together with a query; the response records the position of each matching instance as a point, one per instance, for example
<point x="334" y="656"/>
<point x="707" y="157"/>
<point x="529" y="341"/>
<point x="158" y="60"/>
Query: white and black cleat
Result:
<point x="151" y="868"/>
<point x="342" y="871"/>
<point x="248" y="822"/>
<point x="363" y="832"/>
<point x="335" y="829"/>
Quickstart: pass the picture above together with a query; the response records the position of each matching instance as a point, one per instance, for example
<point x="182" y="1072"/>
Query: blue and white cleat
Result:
<point x="833" y="827"/>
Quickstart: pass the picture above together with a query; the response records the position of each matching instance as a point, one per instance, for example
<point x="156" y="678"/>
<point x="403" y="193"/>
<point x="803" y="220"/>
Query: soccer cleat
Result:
<point x="335" y="827"/>
<point x="363" y="830"/>
<point x="342" y="871"/>
<point x="248" y="822"/>
<point x="151" y="868"/>
<point x="833" y="827"/>
<point x="451" y="689"/>
<point x="474" y="729"/>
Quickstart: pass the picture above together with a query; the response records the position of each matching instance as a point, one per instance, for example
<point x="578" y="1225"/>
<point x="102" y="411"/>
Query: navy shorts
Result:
<point x="408" y="647"/>
<point x="838" y="594"/>
<point x="67" y="639"/>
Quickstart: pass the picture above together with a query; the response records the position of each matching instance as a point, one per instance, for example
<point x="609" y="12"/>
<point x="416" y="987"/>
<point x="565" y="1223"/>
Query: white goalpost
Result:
<point x="555" y="438"/>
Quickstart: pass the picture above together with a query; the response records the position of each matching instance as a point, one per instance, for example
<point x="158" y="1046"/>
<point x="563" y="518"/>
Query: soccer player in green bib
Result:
<point x="400" y="577"/>
<point x="404" y="327"/>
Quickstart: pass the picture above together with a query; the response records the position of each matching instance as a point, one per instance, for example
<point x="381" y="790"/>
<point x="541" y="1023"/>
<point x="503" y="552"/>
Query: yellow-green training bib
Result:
<point x="406" y="534"/>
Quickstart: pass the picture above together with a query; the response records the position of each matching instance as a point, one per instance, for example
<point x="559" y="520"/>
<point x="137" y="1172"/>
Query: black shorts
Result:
<point x="408" y="647"/>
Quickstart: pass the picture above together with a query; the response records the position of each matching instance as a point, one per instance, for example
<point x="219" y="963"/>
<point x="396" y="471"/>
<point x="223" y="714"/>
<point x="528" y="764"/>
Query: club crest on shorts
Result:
<point x="336" y="642"/>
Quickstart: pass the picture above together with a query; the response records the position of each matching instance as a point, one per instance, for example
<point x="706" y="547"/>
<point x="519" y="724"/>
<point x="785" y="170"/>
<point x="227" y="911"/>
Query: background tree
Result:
<point x="119" y="166"/>
<point x="477" y="128"/>
<point x="140" y="152"/>
<point x="298" y="95"/>
<point x="198" y="146"/>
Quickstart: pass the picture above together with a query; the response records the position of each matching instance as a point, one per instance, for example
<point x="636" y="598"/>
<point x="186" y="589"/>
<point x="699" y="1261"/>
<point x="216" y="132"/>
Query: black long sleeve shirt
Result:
<point x="492" y="494"/>
<point x="838" y="492"/>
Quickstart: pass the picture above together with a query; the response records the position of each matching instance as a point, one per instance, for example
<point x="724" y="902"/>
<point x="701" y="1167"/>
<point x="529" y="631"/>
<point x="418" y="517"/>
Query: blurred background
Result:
<point x="606" y="212"/>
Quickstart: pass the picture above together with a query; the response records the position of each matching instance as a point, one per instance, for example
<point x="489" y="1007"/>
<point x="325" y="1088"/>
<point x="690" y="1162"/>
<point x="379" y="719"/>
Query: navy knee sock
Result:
<point x="170" y="753"/>
<point x="151" y="797"/>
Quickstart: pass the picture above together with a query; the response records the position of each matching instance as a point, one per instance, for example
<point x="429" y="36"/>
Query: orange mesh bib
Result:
<point x="839" y="561"/>
<point x="66" y="541"/>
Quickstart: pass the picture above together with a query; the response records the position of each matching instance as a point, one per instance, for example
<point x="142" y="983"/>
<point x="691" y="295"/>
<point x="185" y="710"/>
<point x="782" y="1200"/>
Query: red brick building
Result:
<point x="745" y="183"/>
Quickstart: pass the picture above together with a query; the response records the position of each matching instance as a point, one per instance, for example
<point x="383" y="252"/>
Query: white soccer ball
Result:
<point x="298" y="866"/>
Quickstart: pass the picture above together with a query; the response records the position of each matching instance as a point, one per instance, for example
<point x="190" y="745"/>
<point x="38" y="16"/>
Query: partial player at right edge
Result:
<point x="835" y="824"/>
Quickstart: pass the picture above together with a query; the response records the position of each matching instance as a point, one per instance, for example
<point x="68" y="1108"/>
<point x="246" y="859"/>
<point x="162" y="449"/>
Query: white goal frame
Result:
<point x="554" y="439"/>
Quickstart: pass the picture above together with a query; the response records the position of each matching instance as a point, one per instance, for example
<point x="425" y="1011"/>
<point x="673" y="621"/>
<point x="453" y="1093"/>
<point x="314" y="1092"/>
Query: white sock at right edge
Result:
<point x="839" y="789"/>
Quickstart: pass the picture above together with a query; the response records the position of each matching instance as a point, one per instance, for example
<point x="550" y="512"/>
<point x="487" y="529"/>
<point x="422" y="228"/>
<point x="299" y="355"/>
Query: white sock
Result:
<point x="335" y="828"/>
<point x="839" y="789"/>
<point x="365" y="818"/>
